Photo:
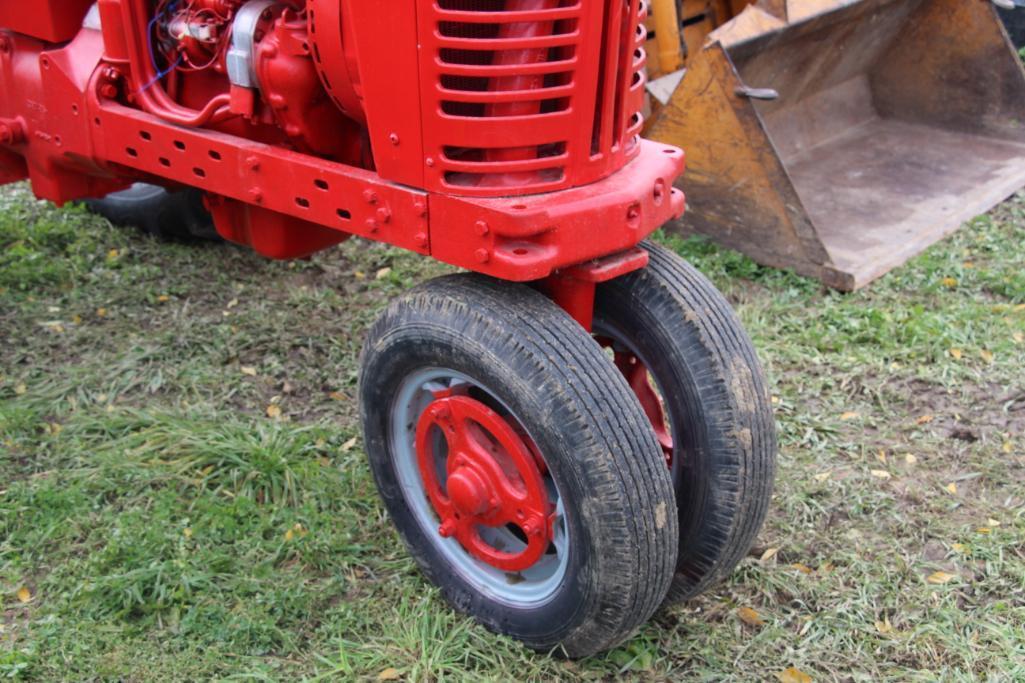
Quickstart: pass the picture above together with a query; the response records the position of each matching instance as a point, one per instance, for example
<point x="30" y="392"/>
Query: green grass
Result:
<point x="165" y="528"/>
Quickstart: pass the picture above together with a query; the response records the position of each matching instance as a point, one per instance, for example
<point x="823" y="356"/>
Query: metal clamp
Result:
<point x="757" y="93"/>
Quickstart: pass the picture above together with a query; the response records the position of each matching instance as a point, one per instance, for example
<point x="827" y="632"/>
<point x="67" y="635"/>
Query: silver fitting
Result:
<point x="241" y="56"/>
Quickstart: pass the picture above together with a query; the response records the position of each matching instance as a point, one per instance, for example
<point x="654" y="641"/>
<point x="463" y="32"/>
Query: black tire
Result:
<point x="577" y="409"/>
<point x="1014" y="20"/>
<point x="712" y="388"/>
<point x="158" y="212"/>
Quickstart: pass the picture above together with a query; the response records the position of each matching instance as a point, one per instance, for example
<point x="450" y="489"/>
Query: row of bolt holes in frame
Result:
<point x="301" y="202"/>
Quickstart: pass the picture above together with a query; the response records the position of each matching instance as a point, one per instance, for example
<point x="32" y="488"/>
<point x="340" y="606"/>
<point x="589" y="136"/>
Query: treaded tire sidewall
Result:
<point x="722" y="422"/>
<point x="158" y="212"/>
<point x="466" y="321"/>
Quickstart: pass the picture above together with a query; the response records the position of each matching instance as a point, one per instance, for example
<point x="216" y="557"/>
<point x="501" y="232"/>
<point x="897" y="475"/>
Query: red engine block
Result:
<point x="497" y="135"/>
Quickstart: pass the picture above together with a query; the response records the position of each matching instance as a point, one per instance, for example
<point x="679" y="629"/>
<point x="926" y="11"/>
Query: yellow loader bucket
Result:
<point x="842" y="138"/>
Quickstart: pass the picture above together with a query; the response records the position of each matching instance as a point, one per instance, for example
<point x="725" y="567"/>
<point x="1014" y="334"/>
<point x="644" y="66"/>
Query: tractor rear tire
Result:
<point x="178" y="215"/>
<point x="512" y="348"/>
<point x="671" y="320"/>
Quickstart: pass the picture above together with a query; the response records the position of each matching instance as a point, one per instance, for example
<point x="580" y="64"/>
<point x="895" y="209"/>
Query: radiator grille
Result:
<point x="527" y="96"/>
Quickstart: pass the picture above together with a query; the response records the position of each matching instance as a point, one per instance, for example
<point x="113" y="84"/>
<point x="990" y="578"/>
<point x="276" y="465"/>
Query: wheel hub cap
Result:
<point x="491" y="478"/>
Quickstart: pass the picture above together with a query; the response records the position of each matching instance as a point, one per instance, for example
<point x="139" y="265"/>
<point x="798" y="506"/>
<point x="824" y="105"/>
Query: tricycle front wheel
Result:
<point x="694" y="370"/>
<point x="517" y="465"/>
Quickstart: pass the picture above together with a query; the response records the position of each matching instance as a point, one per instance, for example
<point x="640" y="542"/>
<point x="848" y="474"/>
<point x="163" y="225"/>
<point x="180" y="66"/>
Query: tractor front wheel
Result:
<point x="694" y="370"/>
<point x="517" y="465"/>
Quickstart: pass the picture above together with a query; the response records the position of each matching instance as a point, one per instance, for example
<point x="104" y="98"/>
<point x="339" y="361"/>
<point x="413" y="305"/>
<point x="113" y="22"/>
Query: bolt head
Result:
<point x="483" y="255"/>
<point x="482" y="228"/>
<point x="447" y="528"/>
<point x="256" y="194"/>
<point x="421" y="239"/>
<point x="369" y="196"/>
<point x="394" y="139"/>
<point x="372" y="225"/>
<point x="430" y="162"/>
<point x="384" y="214"/>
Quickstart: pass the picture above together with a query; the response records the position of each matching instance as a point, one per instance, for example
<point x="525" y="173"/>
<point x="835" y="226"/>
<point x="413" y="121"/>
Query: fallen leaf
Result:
<point x="822" y="476"/>
<point x="1007" y="447"/>
<point x="233" y="303"/>
<point x="20" y="389"/>
<point x="984" y="530"/>
<point x="163" y="298"/>
<point x="750" y="617"/>
<point x="959" y="547"/>
<point x="248" y="370"/>
<point x="289" y="535"/>
<point x="951" y="488"/>
<point x="1020" y="307"/>
<point x="76" y="319"/>
<point x="383" y="273"/>
<point x="940" y="578"/>
<point x="389" y="674"/>
<point x="925" y="419"/>
<point x="949" y="282"/>
<point x="348" y="445"/>
<point x="986" y="355"/>
<point x="187" y="532"/>
<point x="1018" y="337"/>
<point x="850" y="416"/>
<point x="993" y="522"/>
<point x="826" y="567"/>
<point x="274" y="411"/>
<point x="101" y="312"/>
<point x="910" y="459"/>
<point x="968" y="264"/>
<point x="774" y="400"/>
<point x="793" y="675"/>
<point x="881" y="474"/>
<point x="113" y="255"/>
<point x="768" y="554"/>
<point x="803" y="568"/>
<point x="337" y="396"/>
<point x="360" y="275"/>
<point x="884" y="626"/>
<point x="956" y="353"/>
<point x="24" y="595"/>
<point x="881" y="456"/>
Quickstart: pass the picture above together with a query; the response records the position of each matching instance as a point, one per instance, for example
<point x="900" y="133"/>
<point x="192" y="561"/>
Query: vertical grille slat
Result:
<point x="505" y="103"/>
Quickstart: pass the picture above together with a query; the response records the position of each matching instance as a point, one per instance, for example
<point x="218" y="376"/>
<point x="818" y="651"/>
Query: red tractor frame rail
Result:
<point x="90" y="115"/>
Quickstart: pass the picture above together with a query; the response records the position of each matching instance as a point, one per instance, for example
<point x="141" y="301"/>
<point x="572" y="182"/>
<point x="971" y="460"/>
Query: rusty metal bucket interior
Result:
<point x="895" y="122"/>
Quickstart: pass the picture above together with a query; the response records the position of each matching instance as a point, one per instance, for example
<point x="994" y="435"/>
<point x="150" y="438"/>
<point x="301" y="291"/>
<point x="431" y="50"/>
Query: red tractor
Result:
<point x="566" y="434"/>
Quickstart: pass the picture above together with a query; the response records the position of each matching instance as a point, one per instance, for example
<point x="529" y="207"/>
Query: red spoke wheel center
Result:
<point x="491" y="479"/>
<point x="639" y="379"/>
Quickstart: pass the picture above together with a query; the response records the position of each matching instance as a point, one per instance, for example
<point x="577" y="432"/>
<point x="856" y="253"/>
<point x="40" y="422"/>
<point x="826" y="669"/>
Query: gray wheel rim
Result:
<point x="528" y="588"/>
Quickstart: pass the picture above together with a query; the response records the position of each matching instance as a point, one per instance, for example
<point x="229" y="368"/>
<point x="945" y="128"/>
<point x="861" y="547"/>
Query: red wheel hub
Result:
<point x="491" y="478"/>
<point x="639" y="379"/>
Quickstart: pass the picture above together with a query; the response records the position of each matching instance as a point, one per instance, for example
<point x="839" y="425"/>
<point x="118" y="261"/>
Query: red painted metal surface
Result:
<point x="55" y="21"/>
<point x="496" y="135"/>
<point x="529" y="96"/>
<point x="574" y="288"/>
<point x="640" y="380"/>
<point x="492" y="478"/>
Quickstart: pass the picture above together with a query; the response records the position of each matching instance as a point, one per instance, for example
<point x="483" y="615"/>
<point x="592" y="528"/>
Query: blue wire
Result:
<point x="149" y="46"/>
